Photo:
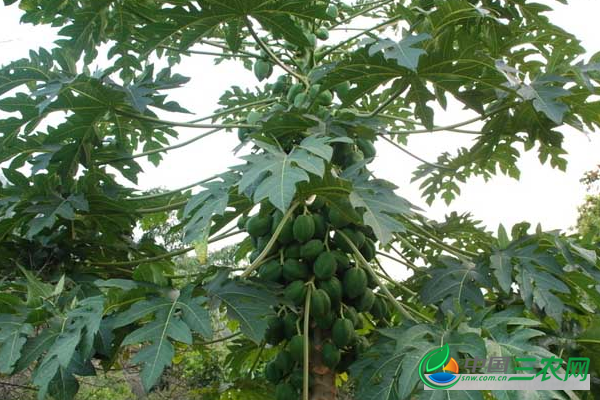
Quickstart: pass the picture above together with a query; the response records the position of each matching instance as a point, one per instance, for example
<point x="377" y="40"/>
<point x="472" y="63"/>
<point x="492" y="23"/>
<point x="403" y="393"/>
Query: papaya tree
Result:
<point x="82" y="292"/>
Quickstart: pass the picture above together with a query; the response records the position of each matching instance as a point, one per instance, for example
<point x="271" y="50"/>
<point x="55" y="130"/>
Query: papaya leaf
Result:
<point x="382" y="206"/>
<point x="13" y="336"/>
<point x="248" y="304"/>
<point x="173" y="320"/>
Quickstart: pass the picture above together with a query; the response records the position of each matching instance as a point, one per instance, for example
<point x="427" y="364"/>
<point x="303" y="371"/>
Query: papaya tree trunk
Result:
<point x="323" y="387"/>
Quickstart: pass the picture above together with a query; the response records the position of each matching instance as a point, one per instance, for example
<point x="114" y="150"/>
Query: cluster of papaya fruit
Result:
<point x="312" y="254"/>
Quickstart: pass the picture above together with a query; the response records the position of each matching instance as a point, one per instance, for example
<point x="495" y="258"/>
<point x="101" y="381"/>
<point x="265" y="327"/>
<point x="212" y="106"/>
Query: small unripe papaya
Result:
<point x="311" y="249"/>
<point x="304" y="228"/>
<point x="355" y="282"/>
<point x="320" y="304"/>
<point x="270" y="271"/>
<point x="342" y="332"/>
<point x="295" y="292"/>
<point x="331" y="355"/>
<point x="322" y="34"/>
<point x="365" y="301"/>
<point x="296" y="348"/>
<point x="285" y="391"/>
<point x="294" y="270"/>
<point x="284" y="362"/>
<point x="273" y="373"/>
<point x="325" y="266"/>
<point x="258" y="225"/>
<point x="292" y="251"/>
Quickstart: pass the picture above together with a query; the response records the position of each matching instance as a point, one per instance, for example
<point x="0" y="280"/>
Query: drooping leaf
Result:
<point x="166" y="326"/>
<point x="382" y="206"/>
<point x="13" y="336"/>
<point x="245" y="303"/>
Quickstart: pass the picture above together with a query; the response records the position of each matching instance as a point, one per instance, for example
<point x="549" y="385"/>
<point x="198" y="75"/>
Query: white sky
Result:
<point x="543" y="195"/>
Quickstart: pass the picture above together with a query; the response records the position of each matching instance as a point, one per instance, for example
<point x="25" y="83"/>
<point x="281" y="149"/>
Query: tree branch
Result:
<point x="170" y="254"/>
<point x="354" y="37"/>
<point x="399" y="306"/>
<point x="161" y="149"/>
<point x="274" y="57"/>
<point x="182" y="124"/>
<point x="170" y="192"/>
<point x="416" y="156"/>
<point x="209" y="53"/>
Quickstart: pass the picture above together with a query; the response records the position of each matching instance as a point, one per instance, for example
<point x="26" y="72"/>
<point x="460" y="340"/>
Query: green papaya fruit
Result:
<point x="325" y="321"/>
<point x="340" y="152"/>
<point x="355" y="282"/>
<point x="304" y="228"/>
<point x="286" y="235"/>
<point x="332" y="11"/>
<point x="367" y="147"/>
<point x="274" y="333"/>
<point x="322" y="34"/>
<point x="262" y="69"/>
<point x="365" y="301"/>
<point x="312" y="39"/>
<point x="343" y="262"/>
<point x="342" y="332"/>
<point x="284" y="362"/>
<point x="294" y="91"/>
<point x="295" y="292"/>
<point x="241" y="222"/>
<point x="320" y="226"/>
<point x="325" y="266"/>
<point x="333" y="287"/>
<point x="296" y="348"/>
<point x="311" y="249"/>
<point x="289" y="325"/>
<point x="285" y="391"/>
<point x="297" y="379"/>
<point x="355" y="236"/>
<point x="379" y="309"/>
<point x="294" y="270"/>
<point x="271" y="271"/>
<point x="292" y="250"/>
<point x="273" y="373"/>
<point x="300" y="100"/>
<point x="325" y="98"/>
<point x="314" y="91"/>
<point x="368" y="250"/>
<point x="253" y="256"/>
<point x="330" y="355"/>
<point x="320" y="304"/>
<point x="351" y="314"/>
<point x="353" y="158"/>
<point x="258" y="225"/>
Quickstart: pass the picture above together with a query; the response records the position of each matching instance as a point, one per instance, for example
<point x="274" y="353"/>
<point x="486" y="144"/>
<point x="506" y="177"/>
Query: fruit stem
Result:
<point x="274" y="57"/>
<point x="374" y="276"/>
<point x="305" y="367"/>
<point x="271" y="241"/>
